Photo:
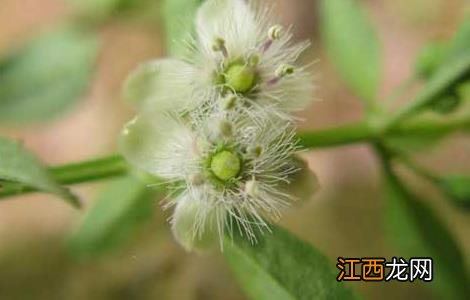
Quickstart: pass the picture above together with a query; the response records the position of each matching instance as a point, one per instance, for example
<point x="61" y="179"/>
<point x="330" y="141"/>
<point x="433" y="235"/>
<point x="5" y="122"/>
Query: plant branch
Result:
<point x="115" y="165"/>
<point x="363" y="132"/>
<point x="75" y="173"/>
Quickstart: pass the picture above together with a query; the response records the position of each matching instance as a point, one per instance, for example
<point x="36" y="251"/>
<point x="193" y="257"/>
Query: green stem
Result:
<point x="75" y="173"/>
<point x="363" y="132"/>
<point x="90" y="170"/>
<point x="342" y="135"/>
<point x="115" y="165"/>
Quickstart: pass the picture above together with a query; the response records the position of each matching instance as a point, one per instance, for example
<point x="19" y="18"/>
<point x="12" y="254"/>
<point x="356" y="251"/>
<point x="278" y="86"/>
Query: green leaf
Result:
<point x="281" y="266"/>
<point x="417" y="231"/>
<point x="21" y="169"/>
<point x="179" y="21"/>
<point x="47" y="75"/>
<point x="124" y="204"/>
<point x="352" y="45"/>
<point x="457" y="187"/>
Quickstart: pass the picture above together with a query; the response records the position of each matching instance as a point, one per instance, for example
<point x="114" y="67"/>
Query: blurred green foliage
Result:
<point x="353" y="46"/>
<point x="125" y="204"/>
<point x="429" y="58"/>
<point x="179" y="20"/>
<point x="416" y="231"/>
<point x="47" y="75"/>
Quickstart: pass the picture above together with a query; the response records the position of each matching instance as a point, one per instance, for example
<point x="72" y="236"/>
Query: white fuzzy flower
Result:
<point x="236" y="52"/>
<point x="230" y="173"/>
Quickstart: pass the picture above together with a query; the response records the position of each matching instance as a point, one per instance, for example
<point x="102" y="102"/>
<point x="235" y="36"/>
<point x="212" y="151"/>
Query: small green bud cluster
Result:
<point x="430" y="59"/>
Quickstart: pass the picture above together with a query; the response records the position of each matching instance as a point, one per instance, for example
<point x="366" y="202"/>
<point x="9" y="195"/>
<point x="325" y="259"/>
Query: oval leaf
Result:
<point x="124" y="204"/>
<point x="352" y="45"/>
<point x="21" y="170"/>
<point x="281" y="266"/>
<point x="418" y="232"/>
<point x="46" y="76"/>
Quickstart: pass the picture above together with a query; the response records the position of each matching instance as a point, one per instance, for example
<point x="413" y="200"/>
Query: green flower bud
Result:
<point x="429" y="59"/>
<point x="240" y="78"/>
<point x="225" y="165"/>
<point x="463" y="91"/>
<point x="445" y="104"/>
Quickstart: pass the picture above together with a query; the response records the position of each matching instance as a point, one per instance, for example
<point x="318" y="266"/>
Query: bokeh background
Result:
<point x="343" y="219"/>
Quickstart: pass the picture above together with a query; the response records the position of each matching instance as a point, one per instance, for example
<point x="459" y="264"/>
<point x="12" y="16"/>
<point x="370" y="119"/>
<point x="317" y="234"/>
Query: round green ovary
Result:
<point x="240" y="78"/>
<point x="225" y="165"/>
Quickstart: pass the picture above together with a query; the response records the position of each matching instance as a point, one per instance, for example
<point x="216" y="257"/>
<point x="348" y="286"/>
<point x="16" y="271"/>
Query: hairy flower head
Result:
<point x="218" y="124"/>
<point x="224" y="182"/>
<point x="237" y="52"/>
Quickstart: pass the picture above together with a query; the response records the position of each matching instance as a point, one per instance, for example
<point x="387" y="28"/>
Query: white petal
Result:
<point x="231" y="20"/>
<point x="291" y="93"/>
<point x="196" y="223"/>
<point x="296" y="91"/>
<point x="304" y="183"/>
<point x="160" y="85"/>
<point x="160" y="146"/>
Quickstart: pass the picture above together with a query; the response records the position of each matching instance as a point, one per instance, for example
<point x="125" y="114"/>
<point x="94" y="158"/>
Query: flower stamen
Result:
<point x="225" y="128"/>
<point x="252" y="188"/>
<point x="229" y="102"/>
<point x="219" y="46"/>
<point x="281" y="72"/>
<point x="274" y="33"/>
